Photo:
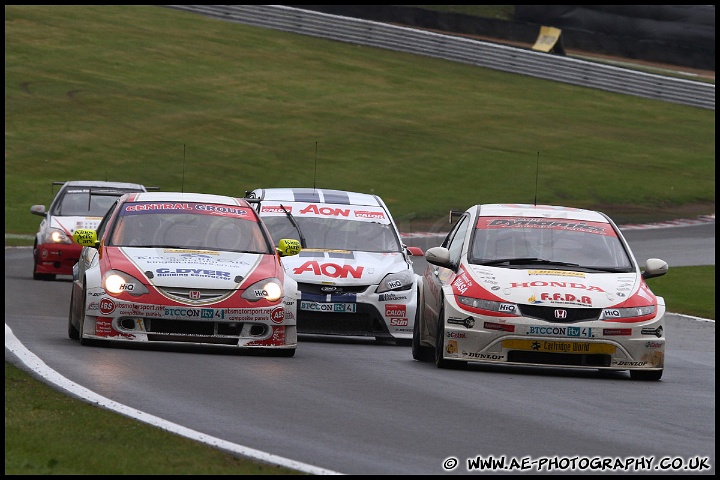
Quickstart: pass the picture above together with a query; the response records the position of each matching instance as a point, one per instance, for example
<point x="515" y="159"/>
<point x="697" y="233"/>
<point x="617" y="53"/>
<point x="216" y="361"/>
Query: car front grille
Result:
<point x="560" y="359"/>
<point x="317" y="289"/>
<point x="216" y="333"/>
<point x="366" y="322"/>
<point x="196" y="295"/>
<point x="548" y="314"/>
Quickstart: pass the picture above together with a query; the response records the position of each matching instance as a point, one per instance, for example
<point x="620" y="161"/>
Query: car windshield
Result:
<point x="189" y="225"/>
<point x="335" y="233"/>
<point x="542" y="241"/>
<point x="79" y="202"/>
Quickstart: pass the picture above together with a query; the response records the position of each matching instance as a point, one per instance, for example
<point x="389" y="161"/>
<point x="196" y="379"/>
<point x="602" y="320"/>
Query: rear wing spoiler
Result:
<point x="105" y="191"/>
<point x="455" y="213"/>
<point x="55" y="184"/>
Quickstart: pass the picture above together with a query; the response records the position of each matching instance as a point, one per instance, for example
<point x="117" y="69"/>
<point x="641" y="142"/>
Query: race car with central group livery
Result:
<point x="540" y="285"/>
<point x="354" y="273"/>
<point x="184" y="268"/>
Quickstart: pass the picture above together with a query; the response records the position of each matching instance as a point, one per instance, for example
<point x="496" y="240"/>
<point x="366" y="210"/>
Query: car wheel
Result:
<point x="440" y="362"/>
<point x="647" y="375"/>
<point x="73" y="332"/>
<point x="420" y="352"/>
<point x="81" y="329"/>
<point x="284" y="352"/>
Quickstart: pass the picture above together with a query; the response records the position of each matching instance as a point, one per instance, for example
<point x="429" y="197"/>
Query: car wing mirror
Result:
<point x="439" y="256"/>
<point x="288" y="247"/>
<point x="654" y="267"/>
<point x="85" y="237"/>
<point x="38" y="210"/>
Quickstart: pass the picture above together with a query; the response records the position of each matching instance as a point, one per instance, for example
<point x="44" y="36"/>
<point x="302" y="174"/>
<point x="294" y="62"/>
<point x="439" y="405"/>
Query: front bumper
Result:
<point x="529" y="341"/>
<point x="56" y="258"/>
<point x="388" y="315"/>
<point x="241" y="327"/>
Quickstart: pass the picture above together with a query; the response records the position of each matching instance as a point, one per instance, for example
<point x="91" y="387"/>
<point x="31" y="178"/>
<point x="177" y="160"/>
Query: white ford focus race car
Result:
<point x="540" y="285"/>
<point x="183" y="268"/>
<point x="354" y="274"/>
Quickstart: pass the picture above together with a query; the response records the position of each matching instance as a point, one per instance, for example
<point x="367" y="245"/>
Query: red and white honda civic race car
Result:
<point x="540" y="285"/>
<point x="77" y="204"/>
<point x="170" y="267"/>
<point x="354" y="274"/>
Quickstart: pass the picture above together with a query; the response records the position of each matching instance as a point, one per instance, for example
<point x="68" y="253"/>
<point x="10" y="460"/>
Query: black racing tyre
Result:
<point x="73" y="332"/>
<point x="83" y="341"/>
<point x="420" y="352"/>
<point x="283" y="352"/>
<point x="440" y="362"/>
<point x="646" y="375"/>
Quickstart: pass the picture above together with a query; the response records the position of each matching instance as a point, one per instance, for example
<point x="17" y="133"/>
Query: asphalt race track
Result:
<point x="359" y="407"/>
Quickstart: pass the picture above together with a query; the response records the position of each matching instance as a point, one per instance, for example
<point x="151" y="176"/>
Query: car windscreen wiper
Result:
<point x="526" y="261"/>
<point x="303" y="244"/>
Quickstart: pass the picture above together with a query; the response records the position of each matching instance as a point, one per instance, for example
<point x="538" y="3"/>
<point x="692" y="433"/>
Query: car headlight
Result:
<point x="270" y="289"/>
<point x="625" y="313"/>
<point x="488" y="305"/>
<point x="117" y="282"/>
<point x="396" y="281"/>
<point x="56" y="235"/>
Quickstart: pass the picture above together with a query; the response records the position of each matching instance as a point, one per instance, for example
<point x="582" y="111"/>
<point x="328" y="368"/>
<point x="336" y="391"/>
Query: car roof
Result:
<point x="103" y="184"/>
<point x="316" y="195"/>
<point x="529" y="210"/>
<point x="187" y="197"/>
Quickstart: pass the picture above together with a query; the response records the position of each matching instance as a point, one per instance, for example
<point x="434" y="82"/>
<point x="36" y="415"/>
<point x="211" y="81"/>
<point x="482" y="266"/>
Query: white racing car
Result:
<point x="73" y="207"/>
<point x="540" y="285"/>
<point x="354" y="274"/>
<point x="183" y="268"/>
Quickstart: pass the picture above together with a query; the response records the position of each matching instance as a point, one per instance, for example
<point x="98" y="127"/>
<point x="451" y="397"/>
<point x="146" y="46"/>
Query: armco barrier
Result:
<point x="483" y="54"/>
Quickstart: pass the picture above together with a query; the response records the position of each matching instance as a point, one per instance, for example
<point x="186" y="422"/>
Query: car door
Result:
<point x="435" y="277"/>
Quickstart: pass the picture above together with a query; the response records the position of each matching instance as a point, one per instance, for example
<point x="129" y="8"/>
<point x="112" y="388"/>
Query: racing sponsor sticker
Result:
<point x="484" y="356"/>
<point x="558" y="346"/>
<point x="194" y="313"/>
<point x="503" y="327"/>
<point x="557" y="331"/>
<point x="331" y="270"/>
<point x="557" y="273"/>
<point x="277" y="315"/>
<point x="608" y="332"/>
<point x="393" y="310"/>
<point x="104" y="328"/>
<point x="192" y="272"/>
<point x="328" y="307"/>
<point x="543" y="283"/>
<point x="253" y="314"/>
<point x="140" y="310"/>
<point x="391" y="297"/>
<point x="467" y="322"/>
<point x="107" y="306"/>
